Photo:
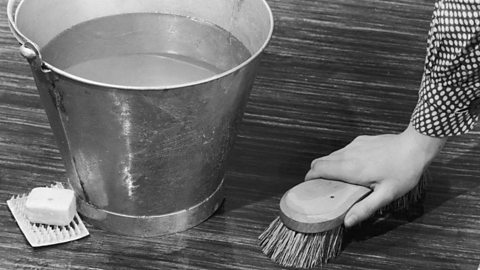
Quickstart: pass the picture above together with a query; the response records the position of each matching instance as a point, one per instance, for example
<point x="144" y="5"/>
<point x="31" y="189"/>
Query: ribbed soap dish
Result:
<point x="42" y="234"/>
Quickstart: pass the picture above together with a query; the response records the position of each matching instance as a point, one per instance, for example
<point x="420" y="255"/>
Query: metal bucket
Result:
<point x="143" y="160"/>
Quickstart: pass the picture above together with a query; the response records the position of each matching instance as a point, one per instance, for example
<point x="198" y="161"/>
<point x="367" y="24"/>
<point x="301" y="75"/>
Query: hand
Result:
<point x="390" y="164"/>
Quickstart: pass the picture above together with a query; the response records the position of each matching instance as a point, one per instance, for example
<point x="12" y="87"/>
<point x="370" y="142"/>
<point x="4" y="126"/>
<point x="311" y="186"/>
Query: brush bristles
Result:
<point x="300" y="250"/>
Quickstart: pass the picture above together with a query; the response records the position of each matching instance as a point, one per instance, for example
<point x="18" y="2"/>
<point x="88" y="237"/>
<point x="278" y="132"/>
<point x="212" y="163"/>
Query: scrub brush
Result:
<point x="309" y="230"/>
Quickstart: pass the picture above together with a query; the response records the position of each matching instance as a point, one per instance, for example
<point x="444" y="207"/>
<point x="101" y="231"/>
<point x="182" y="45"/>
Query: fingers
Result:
<point x="362" y="210"/>
<point x="324" y="168"/>
<point x="348" y="170"/>
<point x="342" y="164"/>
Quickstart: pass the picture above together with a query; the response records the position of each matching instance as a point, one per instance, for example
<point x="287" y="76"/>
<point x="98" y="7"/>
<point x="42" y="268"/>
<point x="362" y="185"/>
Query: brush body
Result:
<point x="309" y="230"/>
<point x="319" y="205"/>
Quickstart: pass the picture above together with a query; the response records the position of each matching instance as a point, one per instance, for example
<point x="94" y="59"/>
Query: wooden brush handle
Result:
<point x="319" y="205"/>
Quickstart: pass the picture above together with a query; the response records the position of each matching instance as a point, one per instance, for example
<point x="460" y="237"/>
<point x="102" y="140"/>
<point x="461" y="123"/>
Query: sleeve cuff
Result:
<point x="430" y="121"/>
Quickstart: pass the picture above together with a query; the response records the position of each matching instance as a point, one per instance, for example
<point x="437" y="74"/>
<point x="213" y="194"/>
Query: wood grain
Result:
<point x="334" y="69"/>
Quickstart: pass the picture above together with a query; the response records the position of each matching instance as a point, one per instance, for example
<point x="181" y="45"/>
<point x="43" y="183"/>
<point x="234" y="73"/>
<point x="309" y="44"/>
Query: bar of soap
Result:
<point x="52" y="206"/>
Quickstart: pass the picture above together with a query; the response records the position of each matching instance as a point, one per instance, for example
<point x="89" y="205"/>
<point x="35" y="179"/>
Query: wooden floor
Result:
<point x="334" y="69"/>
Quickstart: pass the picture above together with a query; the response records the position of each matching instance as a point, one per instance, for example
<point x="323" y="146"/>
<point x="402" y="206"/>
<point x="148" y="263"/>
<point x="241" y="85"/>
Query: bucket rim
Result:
<point x="23" y="39"/>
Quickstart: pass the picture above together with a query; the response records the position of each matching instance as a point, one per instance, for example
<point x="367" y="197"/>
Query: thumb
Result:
<point x="365" y="208"/>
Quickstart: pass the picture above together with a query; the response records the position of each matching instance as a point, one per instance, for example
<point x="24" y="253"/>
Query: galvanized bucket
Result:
<point x="143" y="160"/>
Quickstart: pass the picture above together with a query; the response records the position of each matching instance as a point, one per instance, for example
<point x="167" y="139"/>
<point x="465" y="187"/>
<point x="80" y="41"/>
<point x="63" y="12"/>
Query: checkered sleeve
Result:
<point x="449" y="94"/>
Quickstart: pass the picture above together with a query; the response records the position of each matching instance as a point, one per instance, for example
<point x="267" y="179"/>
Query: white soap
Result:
<point x="52" y="206"/>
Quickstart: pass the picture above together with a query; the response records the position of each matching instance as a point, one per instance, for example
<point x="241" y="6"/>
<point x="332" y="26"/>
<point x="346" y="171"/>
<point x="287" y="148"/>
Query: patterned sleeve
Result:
<point x="449" y="97"/>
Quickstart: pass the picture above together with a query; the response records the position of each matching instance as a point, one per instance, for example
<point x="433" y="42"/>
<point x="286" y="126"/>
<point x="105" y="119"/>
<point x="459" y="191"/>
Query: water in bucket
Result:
<point x="118" y="50"/>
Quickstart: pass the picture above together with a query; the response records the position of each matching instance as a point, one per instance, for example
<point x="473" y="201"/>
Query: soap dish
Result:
<point x="41" y="234"/>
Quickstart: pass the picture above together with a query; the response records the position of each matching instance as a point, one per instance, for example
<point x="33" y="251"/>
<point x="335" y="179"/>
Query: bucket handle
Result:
<point x="29" y="50"/>
<point x="11" y="22"/>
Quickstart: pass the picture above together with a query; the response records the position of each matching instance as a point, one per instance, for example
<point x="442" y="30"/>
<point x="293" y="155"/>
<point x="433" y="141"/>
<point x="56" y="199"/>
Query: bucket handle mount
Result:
<point x="28" y="49"/>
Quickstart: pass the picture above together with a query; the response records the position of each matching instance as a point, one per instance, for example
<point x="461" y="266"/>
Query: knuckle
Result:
<point x="361" y="138"/>
<point x="314" y="163"/>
